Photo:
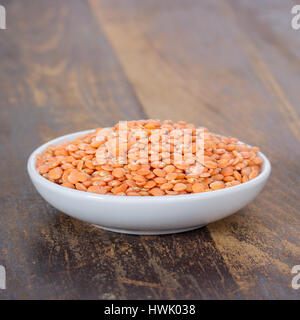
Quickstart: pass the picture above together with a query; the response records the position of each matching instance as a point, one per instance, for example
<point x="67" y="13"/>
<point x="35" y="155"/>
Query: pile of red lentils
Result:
<point x="147" y="169"/>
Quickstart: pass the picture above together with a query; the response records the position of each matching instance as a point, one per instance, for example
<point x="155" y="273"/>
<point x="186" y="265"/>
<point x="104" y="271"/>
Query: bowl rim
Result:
<point x="34" y="175"/>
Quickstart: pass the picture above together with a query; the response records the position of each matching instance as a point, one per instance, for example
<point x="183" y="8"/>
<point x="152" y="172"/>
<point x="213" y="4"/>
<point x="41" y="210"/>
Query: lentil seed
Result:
<point x="74" y="164"/>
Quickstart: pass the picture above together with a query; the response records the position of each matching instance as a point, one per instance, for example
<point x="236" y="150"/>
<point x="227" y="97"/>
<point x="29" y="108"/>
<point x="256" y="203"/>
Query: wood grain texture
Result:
<point x="232" y="66"/>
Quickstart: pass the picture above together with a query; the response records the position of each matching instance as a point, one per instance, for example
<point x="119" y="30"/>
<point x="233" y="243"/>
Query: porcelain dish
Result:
<point x="146" y="215"/>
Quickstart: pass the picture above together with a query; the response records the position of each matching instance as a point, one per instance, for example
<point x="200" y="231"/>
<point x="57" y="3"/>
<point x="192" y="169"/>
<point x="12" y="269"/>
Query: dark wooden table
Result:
<point x="232" y="66"/>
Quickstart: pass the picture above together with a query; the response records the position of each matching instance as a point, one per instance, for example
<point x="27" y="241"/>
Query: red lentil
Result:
<point x="76" y="164"/>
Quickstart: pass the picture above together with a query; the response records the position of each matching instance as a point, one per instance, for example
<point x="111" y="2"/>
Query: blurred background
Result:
<point x="232" y="66"/>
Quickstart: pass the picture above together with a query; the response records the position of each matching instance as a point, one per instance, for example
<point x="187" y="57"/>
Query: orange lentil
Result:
<point x="205" y="175"/>
<point x="217" y="185"/>
<point x="230" y="147"/>
<point x="245" y="154"/>
<point x="228" y="171"/>
<point x="140" y="184"/>
<point x="119" y="189"/>
<point x="228" y="178"/>
<point x="189" y="188"/>
<point x="67" y="166"/>
<point x="223" y="163"/>
<point x="81" y="176"/>
<point x="150" y="184"/>
<point x="71" y="147"/>
<point x="97" y="183"/>
<point x="97" y="189"/>
<point x="160" y="180"/>
<point x="133" y="167"/>
<point x="80" y="186"/>
<point x="43" y="169"/>
<point x="143" y="172"/>
<point x="171" y="192"/>
<point x="55" y="173"/>
<point x="144" y="193"/>
<point x="68" y="185"/>
<point x="197" y="187"/>
<point x="138" y="178"/>
<point x="171" y="176"/>
<point x="132" y="193"/>
<point x="159" y="172"/>
<point x="150" y="176"/>
<point x="166" y="186"/>
<point x="237" y="175"/>
<point x="211" y="164"/>
<point x="257" y="160"/>
<point x="118" y="172"/>
<point x="88" y="171"/>
<point x="245" y="179"/>
<point x="80" y="165"/>
<point x="252" y="175"/>
<point x="215" y="171"/>
<point x="156" y="192"/>
<point x="179" y="187"/>
<point x="54" y="164"/>
<point x="170" y="170"/>
<point x="218" y="177"/>
<point x="89" y="164"/>
<point x="130" y="183"/>
<point x="73" y="176"/>
<point x="87" y="183"/>
<point x="114" y="183"/>
<point x="180" y="176"/>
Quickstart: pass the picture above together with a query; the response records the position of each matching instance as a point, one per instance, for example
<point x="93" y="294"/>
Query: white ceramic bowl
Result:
<point x="145" y="215"/>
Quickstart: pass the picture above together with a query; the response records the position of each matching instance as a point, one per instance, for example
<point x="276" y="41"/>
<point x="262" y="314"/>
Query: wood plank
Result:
<point x="198" y="63"/>
<point x="59" y="74"/>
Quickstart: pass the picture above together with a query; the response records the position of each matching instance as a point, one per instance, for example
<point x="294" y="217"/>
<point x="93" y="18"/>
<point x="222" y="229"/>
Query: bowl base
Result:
<point x="147" y="232"/>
